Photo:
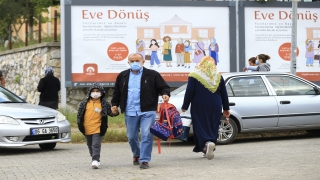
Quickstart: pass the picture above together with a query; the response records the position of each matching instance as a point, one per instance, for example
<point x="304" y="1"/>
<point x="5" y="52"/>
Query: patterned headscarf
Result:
<point x="207" y="74"/>
<point x="48" y="70"/>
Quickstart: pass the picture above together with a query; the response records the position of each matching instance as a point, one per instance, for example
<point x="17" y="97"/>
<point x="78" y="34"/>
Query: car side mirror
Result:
<point x="316" y="89"/>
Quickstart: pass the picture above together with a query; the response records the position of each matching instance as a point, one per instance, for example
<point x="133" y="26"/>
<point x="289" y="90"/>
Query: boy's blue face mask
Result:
<point x="136" y="66"/>
<point x="257" y="62"/>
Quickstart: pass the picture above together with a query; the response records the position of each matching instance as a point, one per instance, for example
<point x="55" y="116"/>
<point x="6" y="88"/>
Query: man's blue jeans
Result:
<point x="134" y="123"/>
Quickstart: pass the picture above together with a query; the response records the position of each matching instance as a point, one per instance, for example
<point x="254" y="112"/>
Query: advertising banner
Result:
<point x="172" y="40"/>
<point x="268" y="31"/>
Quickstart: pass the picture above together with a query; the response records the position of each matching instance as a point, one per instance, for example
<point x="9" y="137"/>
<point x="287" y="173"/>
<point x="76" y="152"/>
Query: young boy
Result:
<point x="92" y="121"/>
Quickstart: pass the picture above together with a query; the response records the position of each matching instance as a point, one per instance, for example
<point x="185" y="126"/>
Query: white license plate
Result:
<point x="48" y="130"/>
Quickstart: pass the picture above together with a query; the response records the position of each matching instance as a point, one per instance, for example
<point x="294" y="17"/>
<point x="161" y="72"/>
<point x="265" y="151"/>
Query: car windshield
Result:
<point x="180" y="90"/>
<point x="8" y="97"/>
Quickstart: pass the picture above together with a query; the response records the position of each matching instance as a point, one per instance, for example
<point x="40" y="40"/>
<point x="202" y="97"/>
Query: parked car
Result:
<point x="24" y="124"/>
<point x="264" y="101"/>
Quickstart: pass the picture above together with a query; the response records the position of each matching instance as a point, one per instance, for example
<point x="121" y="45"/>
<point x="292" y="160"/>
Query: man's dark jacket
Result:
<point x="152" y="84"/>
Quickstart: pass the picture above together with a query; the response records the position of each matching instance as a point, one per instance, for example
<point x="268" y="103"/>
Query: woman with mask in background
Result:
<point x="261" y="61"/>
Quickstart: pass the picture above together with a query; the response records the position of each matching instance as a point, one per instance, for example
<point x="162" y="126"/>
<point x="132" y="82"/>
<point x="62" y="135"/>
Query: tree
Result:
<point x="10" y="11"/>
<point x="35" y="8"/>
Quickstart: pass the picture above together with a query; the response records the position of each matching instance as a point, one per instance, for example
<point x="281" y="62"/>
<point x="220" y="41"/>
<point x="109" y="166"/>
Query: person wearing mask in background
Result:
<point x="3" y="82"/>
<point x="252" y="62"/>
<point x="49" y="86"/>
<point x="92" y="120"/>
<point x="136" y="91"/>
<point x="261" y="60"/>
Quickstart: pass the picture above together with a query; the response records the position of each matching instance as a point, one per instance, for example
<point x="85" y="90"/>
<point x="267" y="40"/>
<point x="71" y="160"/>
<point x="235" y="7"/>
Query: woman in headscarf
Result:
<point x="49" y="86"/>
<point x="206" y="91"/>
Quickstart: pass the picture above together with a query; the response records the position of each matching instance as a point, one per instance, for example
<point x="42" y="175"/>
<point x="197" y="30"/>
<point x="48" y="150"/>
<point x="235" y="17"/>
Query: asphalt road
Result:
<point x="295" y="157"/>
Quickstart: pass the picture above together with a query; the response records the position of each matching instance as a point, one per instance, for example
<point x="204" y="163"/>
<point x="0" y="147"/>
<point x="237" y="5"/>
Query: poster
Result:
<point x="172" y="40"/>
<point x="268" y="31"/>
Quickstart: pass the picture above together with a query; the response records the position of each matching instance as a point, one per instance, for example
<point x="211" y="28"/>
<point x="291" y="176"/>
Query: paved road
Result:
<point x="274" y="158"/>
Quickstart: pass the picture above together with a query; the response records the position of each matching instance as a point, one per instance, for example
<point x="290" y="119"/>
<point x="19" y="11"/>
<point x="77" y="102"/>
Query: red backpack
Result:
<point x="169" y="125"/>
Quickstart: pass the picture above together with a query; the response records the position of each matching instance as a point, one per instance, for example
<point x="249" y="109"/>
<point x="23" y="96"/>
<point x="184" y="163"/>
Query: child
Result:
<point x="252" y="62"/>
<point x="92" y="121"/>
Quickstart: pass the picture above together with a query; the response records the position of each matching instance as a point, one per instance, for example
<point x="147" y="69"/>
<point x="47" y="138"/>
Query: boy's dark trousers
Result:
<point x="94" y="145"/>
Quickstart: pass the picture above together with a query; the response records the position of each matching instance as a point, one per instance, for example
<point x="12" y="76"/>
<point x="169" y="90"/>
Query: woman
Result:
<point x="206" y="91"/>
<point x="261" y="61"/>
<point x="252" y="62"/>
<point x="154" y="56"/>
<point x="49" y="86"/>
<point x="214" y="50"/>
<point x="187" y="49"/>
<point x="166" y="50"/>
<point x="199" y="52"/>
<point x="309" y="53"/>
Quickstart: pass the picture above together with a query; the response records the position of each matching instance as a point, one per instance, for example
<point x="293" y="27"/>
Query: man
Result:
<point x="3" y="82"/>
<point x="136" y="91"/>
<point x="49" y="86"/>
<point x="180" y="52"/>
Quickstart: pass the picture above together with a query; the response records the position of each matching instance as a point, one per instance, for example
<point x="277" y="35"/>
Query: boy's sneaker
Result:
<point x="144" y="165"/>
<point x="210" y="148"/>
<point x="95" y="164"/>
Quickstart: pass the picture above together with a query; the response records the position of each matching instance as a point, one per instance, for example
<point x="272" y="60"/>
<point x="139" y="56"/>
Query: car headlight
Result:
<point x="61" y="117"/>
<point x="7" y="120"/>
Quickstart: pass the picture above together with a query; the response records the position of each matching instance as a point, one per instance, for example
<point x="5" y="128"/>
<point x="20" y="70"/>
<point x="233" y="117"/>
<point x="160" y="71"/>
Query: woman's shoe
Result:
<point x="210" y="148"/>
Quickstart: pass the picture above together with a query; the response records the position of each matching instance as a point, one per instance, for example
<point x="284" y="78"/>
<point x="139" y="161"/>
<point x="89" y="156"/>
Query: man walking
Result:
<point x="136" y="91"/>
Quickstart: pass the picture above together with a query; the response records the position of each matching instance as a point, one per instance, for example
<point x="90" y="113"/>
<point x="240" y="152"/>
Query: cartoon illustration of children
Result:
<point x="140" y="47"/>
<point x="309" y="53"/>
<point x="180" y="52"/>
<point x="166" y="50"/>
<point x="199" y="52"/>
<point x="154" y="57"/>
<point x="187" y="49"/>
<point x="214" y="50"/>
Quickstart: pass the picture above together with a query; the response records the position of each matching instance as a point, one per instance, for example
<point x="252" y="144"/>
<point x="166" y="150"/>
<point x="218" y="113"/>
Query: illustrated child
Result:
<point x="214" y="50"/>
<point x="140" y="47"/>
<point x="154" y="46"/>
<point x="199" y="52"/>
<point x="92" y="120"/>
<point x="180" y="52"/>
<point x="166" y="50"/>
<point x="187" y="49"/>
<point x="309" y="53"/>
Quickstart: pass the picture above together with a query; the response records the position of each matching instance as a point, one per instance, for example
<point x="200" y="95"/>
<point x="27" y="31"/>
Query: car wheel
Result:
<point x="47" y="146"/>
<point x="227" y="131"/>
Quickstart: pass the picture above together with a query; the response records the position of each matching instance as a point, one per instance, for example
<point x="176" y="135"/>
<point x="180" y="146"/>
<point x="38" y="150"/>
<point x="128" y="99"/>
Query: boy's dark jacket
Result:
<point x="106" y="110"/>
<point x="152" y="84"/>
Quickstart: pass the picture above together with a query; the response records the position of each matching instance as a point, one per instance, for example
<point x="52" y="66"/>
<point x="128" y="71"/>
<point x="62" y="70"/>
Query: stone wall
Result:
<point x="23" y="68"/>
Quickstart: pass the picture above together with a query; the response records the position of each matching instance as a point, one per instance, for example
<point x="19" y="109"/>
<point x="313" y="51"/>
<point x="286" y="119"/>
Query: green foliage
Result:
<point x="17" y="78"/>
<point x="20" y="43"/>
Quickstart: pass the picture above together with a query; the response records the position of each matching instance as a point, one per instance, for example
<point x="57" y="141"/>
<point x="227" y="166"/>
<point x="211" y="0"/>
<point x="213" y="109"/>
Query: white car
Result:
<point x="24" y="124"/>
<point x="264" y="101"/>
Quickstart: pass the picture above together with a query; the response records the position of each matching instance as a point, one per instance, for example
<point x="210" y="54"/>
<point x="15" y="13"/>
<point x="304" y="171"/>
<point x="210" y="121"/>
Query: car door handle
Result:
<point x="284" y="102"/>
<point x="232" y="104"/>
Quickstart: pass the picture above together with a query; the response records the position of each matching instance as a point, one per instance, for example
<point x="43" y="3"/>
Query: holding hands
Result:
<point x="114" y="110"/>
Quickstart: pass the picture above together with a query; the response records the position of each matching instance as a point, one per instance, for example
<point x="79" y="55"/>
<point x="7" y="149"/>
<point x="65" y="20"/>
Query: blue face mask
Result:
<point x="257" y="62"/>
<point x="136" y="66"/>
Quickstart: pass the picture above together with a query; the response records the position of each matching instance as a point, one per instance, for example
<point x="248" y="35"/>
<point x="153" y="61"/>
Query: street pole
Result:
<point x="63" y="60"/>
<point x="237" y="36"/>
<point x="293" y="64"/>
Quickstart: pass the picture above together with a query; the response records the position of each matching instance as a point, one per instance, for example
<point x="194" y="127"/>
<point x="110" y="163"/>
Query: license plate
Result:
<point x="48" y="130"/>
